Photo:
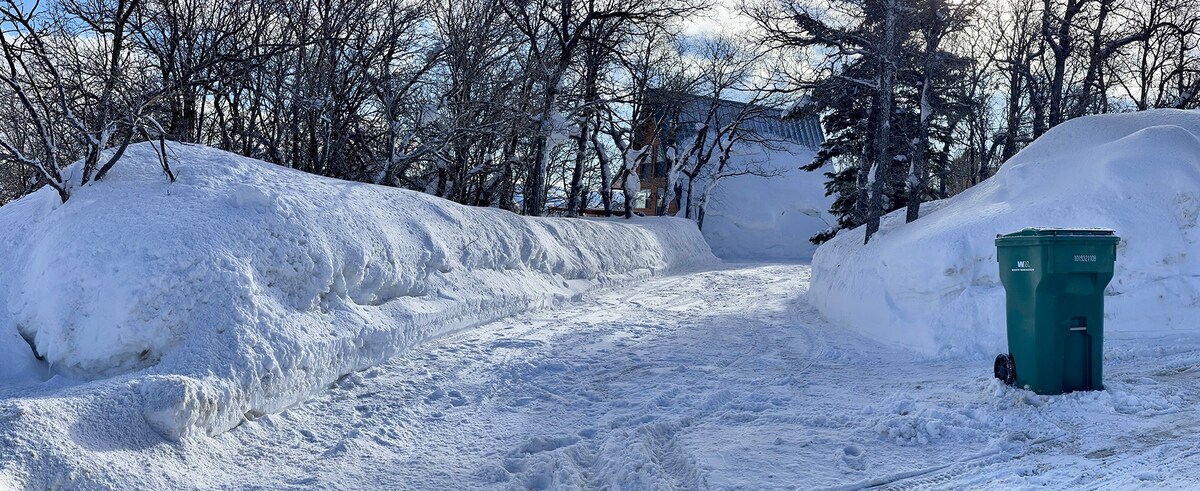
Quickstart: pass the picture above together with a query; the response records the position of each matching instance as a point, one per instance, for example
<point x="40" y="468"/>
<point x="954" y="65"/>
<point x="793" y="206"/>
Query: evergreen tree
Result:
<point x="887" y="90"/>
<point x="847" y="107"/>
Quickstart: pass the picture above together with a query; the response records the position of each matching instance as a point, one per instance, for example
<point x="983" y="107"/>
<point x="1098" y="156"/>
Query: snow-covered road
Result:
<point x="720" y="379"/>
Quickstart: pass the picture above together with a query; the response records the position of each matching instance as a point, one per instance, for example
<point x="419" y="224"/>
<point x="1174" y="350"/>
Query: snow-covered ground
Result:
<point x="641" y="388"/>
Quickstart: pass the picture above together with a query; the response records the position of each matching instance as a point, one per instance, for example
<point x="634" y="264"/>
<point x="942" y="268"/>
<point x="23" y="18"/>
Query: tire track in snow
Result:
<point x="708" y="380"/>
<point x="640" y="427"/>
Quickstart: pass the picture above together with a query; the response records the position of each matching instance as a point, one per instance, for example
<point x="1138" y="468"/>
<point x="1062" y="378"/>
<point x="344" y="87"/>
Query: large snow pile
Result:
<point x="244" y="287"/>
<point x="769" y="217"/>
<point x="934" y="284"/>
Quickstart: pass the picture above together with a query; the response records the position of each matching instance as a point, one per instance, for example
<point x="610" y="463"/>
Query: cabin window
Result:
<point x="640" y="199"/>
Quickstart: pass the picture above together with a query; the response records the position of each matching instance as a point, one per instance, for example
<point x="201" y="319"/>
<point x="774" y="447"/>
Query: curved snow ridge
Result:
<point x="243" y="287"/>
<point x="934" y="285"/>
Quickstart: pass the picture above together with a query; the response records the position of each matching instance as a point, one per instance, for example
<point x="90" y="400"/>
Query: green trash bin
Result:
<point x="1054" y="282"/>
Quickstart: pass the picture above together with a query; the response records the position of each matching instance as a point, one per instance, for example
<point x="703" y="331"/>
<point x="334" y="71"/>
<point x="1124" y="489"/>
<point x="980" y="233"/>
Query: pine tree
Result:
<point x="887" y="94"/>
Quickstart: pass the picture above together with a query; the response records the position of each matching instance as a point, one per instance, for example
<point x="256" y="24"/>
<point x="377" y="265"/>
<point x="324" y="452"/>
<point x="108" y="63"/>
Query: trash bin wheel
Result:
<point x="1005" y="369"/>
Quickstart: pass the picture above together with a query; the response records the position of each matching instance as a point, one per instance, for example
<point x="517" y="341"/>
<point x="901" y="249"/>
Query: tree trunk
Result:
<point x="1095" y="68"/>
<point x="628" y="199"/>
<point x="1039" y="111"/>
<point x="916" y="177"/>
<point x="535" y="183"/>
<point x="573" y="200"/>
<point x="887" y="80"/>
<point x="605" y="177"/>
<point x="1013" y="119"/>
<point x="691" y="186"/>
<point x="1061" y="45"/>
<point x="1056" y="90"/>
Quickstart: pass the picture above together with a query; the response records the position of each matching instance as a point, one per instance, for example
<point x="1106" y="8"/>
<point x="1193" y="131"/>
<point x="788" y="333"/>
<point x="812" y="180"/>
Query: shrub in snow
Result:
<point x="934" y="284"/>
<point x="244" y="287"/>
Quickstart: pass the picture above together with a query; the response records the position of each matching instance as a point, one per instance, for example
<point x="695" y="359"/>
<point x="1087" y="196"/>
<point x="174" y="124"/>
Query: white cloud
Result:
<point x="723" y="18"/>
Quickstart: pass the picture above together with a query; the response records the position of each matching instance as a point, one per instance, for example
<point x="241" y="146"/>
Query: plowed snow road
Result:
<point x="720" y="379"/>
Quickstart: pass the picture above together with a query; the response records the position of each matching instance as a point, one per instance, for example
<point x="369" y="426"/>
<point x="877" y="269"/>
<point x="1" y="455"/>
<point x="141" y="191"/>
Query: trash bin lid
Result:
<point x="1055" y="232"/>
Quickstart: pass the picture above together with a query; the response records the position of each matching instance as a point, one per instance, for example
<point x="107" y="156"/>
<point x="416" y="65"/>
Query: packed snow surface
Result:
<point x="244" y="287"/>
<point x="771" y="215"/>
<point x="719" y="378"/>
<point x="934" y="284"/>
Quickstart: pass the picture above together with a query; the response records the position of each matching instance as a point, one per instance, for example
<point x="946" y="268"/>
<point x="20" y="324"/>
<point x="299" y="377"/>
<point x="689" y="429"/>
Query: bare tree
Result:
<point x="77" y="84"/>
<point x="1156" y="70"/>
<point x="555" y="30"/>
<point x="715" y="133"/>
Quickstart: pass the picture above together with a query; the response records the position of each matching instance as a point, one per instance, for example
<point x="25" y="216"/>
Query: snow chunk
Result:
<point x="244" y="287"/>
<point x="934" y="284"/>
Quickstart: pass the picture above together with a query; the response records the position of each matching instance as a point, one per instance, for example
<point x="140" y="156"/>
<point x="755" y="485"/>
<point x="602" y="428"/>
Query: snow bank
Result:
<point x="769" y="217"/>
<point x="244" y="287"/>
<point x="934" y="284"/>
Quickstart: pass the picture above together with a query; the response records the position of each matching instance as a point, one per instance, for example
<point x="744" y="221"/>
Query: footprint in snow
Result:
<point x="854" y="457"/>
<point x="454" y="397"/>
<point x="540" y="444"/>
<point x="523" y="401"/>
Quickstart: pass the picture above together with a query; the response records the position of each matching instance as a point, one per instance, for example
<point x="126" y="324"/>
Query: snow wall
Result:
<point x="769" y="217"/>
<point x="245" y="287"/>
<point x="934" y="284"/>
